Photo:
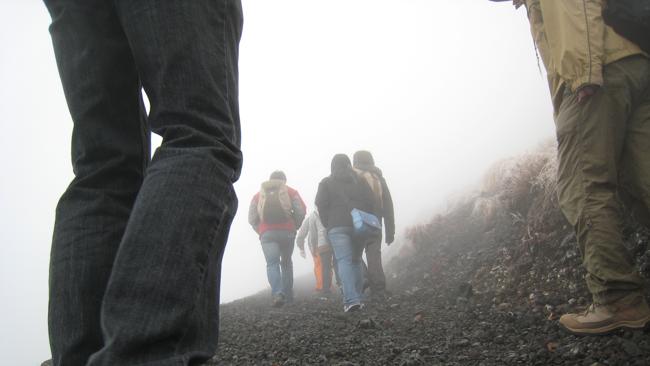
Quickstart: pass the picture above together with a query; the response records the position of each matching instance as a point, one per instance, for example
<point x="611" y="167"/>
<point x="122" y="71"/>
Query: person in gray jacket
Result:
<point x="321" y="251"/>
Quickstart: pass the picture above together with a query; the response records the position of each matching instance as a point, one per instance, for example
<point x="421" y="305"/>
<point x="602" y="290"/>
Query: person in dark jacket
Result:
<point x="337" y="194"/>
<point x="364" y="165"/>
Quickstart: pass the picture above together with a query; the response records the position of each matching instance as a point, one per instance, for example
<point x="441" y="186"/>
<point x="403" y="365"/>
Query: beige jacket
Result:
<point x="574" y="43"/>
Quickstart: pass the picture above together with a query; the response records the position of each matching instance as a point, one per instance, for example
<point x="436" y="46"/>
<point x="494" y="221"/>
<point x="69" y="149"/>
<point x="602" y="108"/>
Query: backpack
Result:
<point x="274" y="204"/>
<point x="630" y="19"/>
<point x="364" y="224"/>
<point x="375" y="185"/>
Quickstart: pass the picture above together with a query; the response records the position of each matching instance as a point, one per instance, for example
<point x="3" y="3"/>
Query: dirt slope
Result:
<point x="481" y="284"/>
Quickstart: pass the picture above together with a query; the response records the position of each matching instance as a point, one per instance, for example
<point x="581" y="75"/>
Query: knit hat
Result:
<point x="278" y="174"/>
<point x="363" y="158"/>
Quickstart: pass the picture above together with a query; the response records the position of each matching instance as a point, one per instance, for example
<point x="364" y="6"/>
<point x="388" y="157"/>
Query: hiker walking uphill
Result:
<point x="274" y="213"/>
<point x="600" y="87"/>
<point x="138" y="241"/>
<point x="364" y="165"/>
<point x="338" y="194"/>
<point x="321" y="251"/>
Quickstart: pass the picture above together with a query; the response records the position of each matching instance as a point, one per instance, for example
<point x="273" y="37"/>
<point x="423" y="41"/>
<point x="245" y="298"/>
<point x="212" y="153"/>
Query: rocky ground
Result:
<point x="464" y="308"/>
<point x="482" y="284"/>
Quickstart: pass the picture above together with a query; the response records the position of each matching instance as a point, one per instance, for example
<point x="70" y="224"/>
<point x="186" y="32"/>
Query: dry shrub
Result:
<point x="546" y="180"/>
<point x="487" y="210"/>
<point x="511" y="184"/>
<point x="521" y="190"/>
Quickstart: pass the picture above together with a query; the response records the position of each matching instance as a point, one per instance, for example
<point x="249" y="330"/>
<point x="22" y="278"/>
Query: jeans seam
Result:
<point x="202" y="270"/>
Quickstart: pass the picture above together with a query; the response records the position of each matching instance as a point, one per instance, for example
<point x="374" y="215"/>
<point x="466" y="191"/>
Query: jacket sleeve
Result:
<point x="322" y="203"/>
<point x="323" y="241"/>
<point x="388" y="211"/>
<point x="575" y="32"/>
<point x="302" y="233"/>
<point x="299" y="209"/>
<point x="253" y="216"/>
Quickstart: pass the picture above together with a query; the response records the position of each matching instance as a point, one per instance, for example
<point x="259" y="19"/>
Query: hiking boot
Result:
<point x="352" y="308"/>
<point x="278" y="300"/>
<point x="602" y="319"/>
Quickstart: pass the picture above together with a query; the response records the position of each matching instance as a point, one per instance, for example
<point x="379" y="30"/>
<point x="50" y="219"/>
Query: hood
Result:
<point x="341" y="167"/>
<point x="363" y="160"/>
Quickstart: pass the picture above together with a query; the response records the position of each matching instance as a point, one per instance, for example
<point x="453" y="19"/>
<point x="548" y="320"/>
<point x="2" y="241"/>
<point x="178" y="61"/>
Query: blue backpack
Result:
<point x="365" y="224"/>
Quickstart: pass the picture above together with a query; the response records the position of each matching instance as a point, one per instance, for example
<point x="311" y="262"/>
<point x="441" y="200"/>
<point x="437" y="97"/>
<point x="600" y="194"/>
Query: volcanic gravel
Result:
<point x="436" y="316"/>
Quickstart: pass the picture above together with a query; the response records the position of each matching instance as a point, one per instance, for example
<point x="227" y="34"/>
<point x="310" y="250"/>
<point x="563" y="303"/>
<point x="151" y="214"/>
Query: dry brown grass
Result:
<point x="519" y="190"/>
<point x="513" y="185"/>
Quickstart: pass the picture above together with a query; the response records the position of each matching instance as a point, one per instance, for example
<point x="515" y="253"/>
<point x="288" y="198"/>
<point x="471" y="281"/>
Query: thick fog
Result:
<point x="435" y="90"/>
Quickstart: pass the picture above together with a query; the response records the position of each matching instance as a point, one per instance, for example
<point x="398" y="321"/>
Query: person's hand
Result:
<point x="390" y="239"/>
<point x="586" y="91"/>
<point x="302" y="253"/>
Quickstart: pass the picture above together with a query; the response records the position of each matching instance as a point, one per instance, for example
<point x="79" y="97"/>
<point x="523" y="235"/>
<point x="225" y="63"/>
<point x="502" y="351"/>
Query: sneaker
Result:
<point x="278" y="300"/>
<point x="352" y="307"/>
<point x="602" y="319"/>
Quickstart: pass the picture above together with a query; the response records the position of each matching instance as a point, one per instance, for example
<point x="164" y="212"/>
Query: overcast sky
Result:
<point x="436" y="90"/>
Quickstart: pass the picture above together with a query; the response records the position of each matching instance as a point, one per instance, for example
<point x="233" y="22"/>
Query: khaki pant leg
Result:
<point x="635" y="162"/>
<point x="590" y="138"/>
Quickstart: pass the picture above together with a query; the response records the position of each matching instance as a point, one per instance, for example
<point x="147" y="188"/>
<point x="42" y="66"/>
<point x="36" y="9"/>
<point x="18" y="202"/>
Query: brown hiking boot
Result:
<point x="602" y="319"/>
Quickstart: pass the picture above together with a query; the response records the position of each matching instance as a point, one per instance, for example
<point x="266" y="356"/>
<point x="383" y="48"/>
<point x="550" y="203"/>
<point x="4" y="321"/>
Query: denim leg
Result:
<point x="286" y="264"/>
<point x="109" y="151"/>
<point x="272" y="255"/>
<point x="161" y="304"/>
<point x="158" y="241"/>
<point x="278" y="248"/>
<point x="348" y="257"/>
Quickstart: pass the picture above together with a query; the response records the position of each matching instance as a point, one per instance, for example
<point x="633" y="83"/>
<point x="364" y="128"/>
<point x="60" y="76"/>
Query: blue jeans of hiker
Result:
<point x="348" y="258"/>
<point x="277" y="246"/>
<point x="136" y="253"/>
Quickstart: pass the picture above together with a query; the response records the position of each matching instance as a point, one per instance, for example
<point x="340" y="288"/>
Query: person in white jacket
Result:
<point x="324" y="265"/>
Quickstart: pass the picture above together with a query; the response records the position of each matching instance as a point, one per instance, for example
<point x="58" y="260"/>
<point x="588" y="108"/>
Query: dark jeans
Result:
<point x="277" y="246"/>
<point x="137" y="246"/>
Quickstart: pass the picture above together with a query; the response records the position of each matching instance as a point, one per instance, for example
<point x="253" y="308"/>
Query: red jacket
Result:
<point x="292" y="224"/>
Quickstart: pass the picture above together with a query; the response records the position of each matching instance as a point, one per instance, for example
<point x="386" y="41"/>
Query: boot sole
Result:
<point x="632" y="324"/>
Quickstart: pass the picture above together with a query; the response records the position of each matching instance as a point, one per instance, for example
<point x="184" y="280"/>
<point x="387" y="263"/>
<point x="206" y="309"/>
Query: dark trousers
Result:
<point x="137" y="245"/>
<point x="327" y="264"/>
<point x="375" y="270"/>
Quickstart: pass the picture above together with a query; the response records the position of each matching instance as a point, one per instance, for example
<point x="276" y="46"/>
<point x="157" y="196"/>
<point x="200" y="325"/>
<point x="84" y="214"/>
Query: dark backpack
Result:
<point x="630" y="19"/>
